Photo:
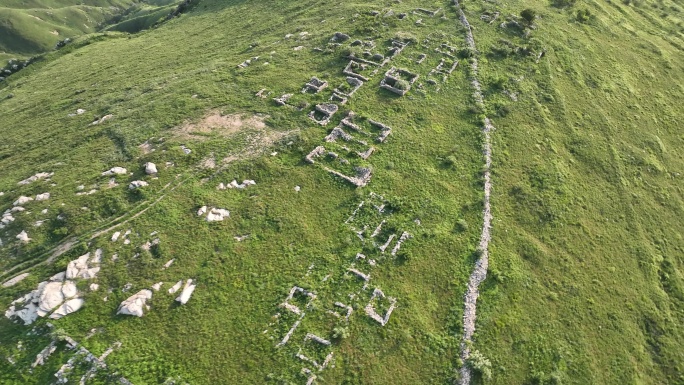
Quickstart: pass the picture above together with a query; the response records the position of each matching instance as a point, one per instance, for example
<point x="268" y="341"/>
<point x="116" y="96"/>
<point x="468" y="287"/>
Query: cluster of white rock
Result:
<point x="38" y="176"/>
<point x="213" y="214"/>
<point x="59" y="293"/>
<point x="234" y="184"/>
<point x="136" y="305"/>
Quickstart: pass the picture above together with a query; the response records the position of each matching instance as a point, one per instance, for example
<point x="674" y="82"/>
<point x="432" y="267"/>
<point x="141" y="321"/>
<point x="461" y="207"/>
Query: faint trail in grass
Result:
<point x="480" y="271"/>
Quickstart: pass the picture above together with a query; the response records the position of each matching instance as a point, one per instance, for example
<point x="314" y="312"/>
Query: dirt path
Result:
<point x="480" y="271"/>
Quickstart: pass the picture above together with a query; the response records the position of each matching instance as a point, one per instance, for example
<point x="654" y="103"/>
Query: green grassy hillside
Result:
<point x="586" y="262"/>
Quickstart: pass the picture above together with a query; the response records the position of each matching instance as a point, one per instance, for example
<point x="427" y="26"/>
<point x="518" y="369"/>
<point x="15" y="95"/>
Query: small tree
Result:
<point x="480" y="364"/>
<point x="528" y="15"/>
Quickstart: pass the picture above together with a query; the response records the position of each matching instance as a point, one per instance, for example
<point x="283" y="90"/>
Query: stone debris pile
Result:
<point x="136" y="304"/>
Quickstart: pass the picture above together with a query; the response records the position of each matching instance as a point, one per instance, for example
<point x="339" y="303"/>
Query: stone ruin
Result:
<point x="339" y="37"/>
<point x="321" y="341"/>
<point x="315" y="85"/>
<point x="447" y="50"/>
<point x="315" y="153"/>
<point x="427" y="12"/>
<point x="296" y="290"/>
<point x="248" y="62"/>
<point x="362" y="178"/>
<point x="354" y="85"/>
<point x="371" y="311"/>
<point x="353" y="66"/>
<point x="385" y="131"/>
<point x="394" y="76"/>
<point x="282" y="100"/>
<point x="323" y="113"/>
<point x="444" y="69"/>
<point x="421" y="58"/>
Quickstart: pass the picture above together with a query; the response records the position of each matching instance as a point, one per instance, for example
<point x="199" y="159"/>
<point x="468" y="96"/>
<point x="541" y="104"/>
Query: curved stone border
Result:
<point x="480" y="271"/>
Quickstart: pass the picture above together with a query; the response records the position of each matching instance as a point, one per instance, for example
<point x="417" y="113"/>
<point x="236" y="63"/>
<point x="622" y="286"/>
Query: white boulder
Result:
<point x="22" y="200"/>
<point x="150" y="168"/>
<point x="157" y="286"/>
<point x="115" y="236"/>
<point x="217" y="215"/>
<point x="23" y="237"/>
<point x="115" y="171"/>
<point x="50" y="297"/>
<point x="135" y="304"/>
<point x="187" y="292"/>
<point x="176" y="287"/>
<point x="43" y="197"/>
<point x="202" y="210"/>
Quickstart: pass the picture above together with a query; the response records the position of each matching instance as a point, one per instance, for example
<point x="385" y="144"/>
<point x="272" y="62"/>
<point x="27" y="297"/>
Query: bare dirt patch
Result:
<point x="216" y="123"/>
<point x="55" y="32"/>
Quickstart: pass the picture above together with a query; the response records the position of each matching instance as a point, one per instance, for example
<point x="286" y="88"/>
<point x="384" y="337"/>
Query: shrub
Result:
<point x="402" y="85"/>
<point x="461" y="225"/>
<point x="340" y="332"/>
<point x="480" y="365"/>
<point x="528" y="15"/>
<point x="466" y="53"/>
<point x="583" y="15"/>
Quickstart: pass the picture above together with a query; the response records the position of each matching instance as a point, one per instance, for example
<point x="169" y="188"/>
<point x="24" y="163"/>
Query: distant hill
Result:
<point x="32" y="27"/>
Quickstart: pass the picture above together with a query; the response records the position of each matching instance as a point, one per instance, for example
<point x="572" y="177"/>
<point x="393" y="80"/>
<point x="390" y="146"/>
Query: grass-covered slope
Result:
<point x="585" y="282"/>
